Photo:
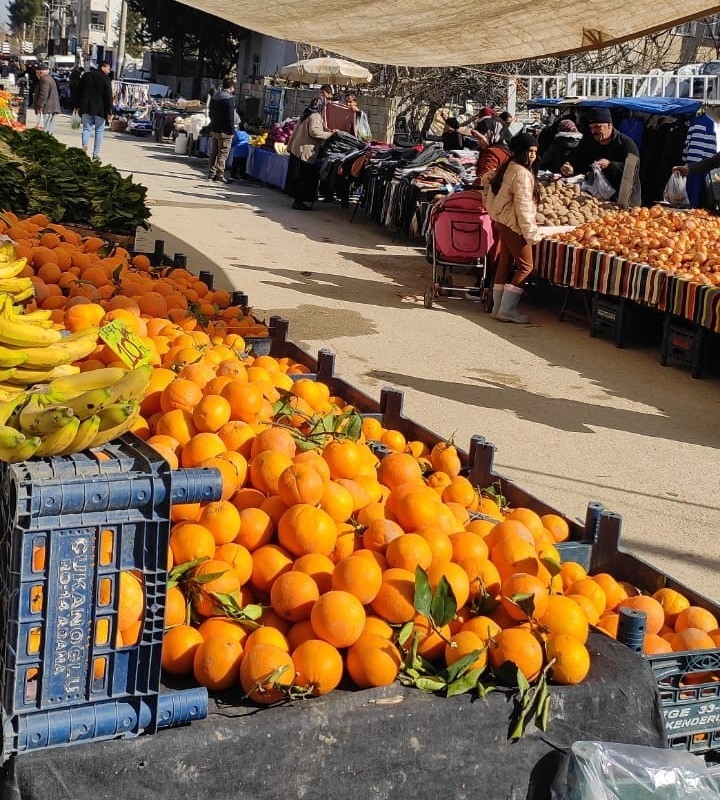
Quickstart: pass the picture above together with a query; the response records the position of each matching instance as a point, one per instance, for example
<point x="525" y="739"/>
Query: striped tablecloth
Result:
<point x="594" y="270"/>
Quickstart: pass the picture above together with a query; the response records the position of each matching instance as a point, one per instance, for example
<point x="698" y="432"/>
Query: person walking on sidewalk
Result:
<point x="46" y="101"/>
<point x="511" y="197"/>
<point x="222" y="128"/>
<point x="96" y="105"/>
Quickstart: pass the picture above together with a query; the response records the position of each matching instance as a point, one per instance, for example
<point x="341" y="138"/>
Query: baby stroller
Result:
<point x="458" y="239"/>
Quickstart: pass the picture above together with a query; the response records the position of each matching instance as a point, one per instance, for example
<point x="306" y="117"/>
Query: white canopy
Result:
<point x="428" y="33"/>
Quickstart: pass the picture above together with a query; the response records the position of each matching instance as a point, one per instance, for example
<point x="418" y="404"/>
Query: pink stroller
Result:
<point x="458" y="239"/>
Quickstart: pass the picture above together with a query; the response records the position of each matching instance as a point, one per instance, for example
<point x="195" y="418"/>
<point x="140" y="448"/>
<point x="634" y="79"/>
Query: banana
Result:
<point x="39" y="313"/>
<point x="15" y="285"/>
<point x="8" y="391"/>
<point x="61" y="389"/>
<point x="90" y="402"/>
<point x="21" y="334"/>
<point x="28" y="377"/>
<point x="64" y="352"/>
<point x="7" y="374"/>
<point x="10" y="437"/>
<point x="36" y="420"/>
<point x="9" y="407"/>
<point x="117" y="413"/>
<point x="108" y="434"/>
<point x="26" y="294"/>
<point x="87" y="431"/>
<point x="11" y="269"/>
<point x="133" y="385"/>
<point x="22" y="451"/>
<point x="11" y="357"/>
<point x="38" y="322"/>
<point x="7" y="252"/>
<point x="60" y="439"/>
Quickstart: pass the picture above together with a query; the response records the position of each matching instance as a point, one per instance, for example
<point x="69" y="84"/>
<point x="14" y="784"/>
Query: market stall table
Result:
<point x="393" y="742"/>
<point x="268" y="166"/>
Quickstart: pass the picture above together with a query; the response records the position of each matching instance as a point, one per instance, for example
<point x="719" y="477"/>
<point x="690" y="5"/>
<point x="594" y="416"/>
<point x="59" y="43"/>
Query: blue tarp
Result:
<point x="665" y="106"/>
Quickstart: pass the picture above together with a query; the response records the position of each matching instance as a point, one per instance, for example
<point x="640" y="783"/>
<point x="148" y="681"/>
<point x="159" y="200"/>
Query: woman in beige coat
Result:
<point x="304" y="144"/>
<point x="511" y="197"/>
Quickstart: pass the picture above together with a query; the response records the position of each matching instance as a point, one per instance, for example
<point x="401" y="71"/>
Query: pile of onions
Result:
<point x="684" y="243"/>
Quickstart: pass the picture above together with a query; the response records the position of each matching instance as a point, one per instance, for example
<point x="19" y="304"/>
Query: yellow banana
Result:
<point x="61" y="389"/>
<point x="64" y="352"/>
<point x="10" y="406"/>
<point x="11" y="269"/>
<point x="12" y="357"/>
<point x="34" y="419"/>
<point x="15" y="285"/>
<point x="90" y="402"/>
<point x="29" y="377"/>
<point x="10" y="437"/>
<point x="7" y="374"/>
<point x="117" y="413"/>
<point x="7" y="252"/>
<point x="133" y="385"/>
<point x="60" y="439"/>
<point x="8" y="391"/>
<point x="39" y="313"/>
<point x="22" y="451"/>
<point x="21" y="334"/>
<point x="108" y="434"/>
<point x="36" y="321"/>
<point x="86" y="433"/>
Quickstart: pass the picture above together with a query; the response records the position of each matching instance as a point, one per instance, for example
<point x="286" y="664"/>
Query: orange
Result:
<point x="444" y="458"/>
<point x="455" y="575"/>
<point x="466" y="544"/>
<point x="266" y="468"/>
<point x="651" y="607"/>
<point x="238" y="436"/>
<point x="515" y="555"/>
<point x="395" y="601"/>
<point x="654" y="645"/>
<point x="572" y="660"/>
<point x="557" y="526"/>
<point x="306" y="529"/>
<point x="178" y="424"/>
<point x="462" y="644"/>
<point x="483" y="577"/>
<point x="293" y="594"/>
<point x="672" y="603"/>
<point x="337" y="501"/>
<point x="609" y="622"/>
<point x="393" y="440"/>
<point x="358" y="575"/>
<point x="344" y="458"/>
<point x="408" y="552"/>
<point x="238" y="557"/>
<point x="691" y="639"/>
<point x="315" y="393"/>
<point x="589" y="608"/>
<point x="190" y="541"/>
<point x="318" y="666"/>
<point x="511" y="528"/>
<point x="483" y="627"/>
<point x="373" y="661"/>
<point x="274" y="507"/>
<point x="319" y="567"/>
<point x="245" y="399"/>
<point x="180" y="394"/>
<point x="300" y="483"/>
<point x="201" y="447"/>
<point x="338" y="617"/>
<point x="277" y="439"/>
<point x="378" y="626"/>
<point x="519" y="646"/>
<point x="247" y="497"/>
<point x="564" y="615"/>
<point x="594" y="593"/>
<point x="216" y="662"/>
<point x="267" y="634"/>
<point x="256" y="528"/>
<point x="518" y="586"/>
<point x="269" y="561"/>
<point x="441" y="548"/>
<point x="571" y="571"/>
<point x="379" y="533"/>
<point x="694" y="617"/>
<point x="529" y="519"/>
<point x="211" y="413"/>
<point x="222" y="519"/>
<point x="398" y="468"/>
<point x="131" y="599"/>
<point x="265" y="672"/>
<point x="420" y="508"/>
<point x="212" y="626"/>
<point x="614" y="592"/>
<point x="298" y="633"/>
<point x="175" y="607"/>
<point x="210" y="578"/>
<point x="179" y="646"/>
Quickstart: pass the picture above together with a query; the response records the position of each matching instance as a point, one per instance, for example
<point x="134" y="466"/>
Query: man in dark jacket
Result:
<point x="222" y="128"/>
<point x="606" y="147"/>
<point x="46" y="101"/>
<point x="96" y="106"/>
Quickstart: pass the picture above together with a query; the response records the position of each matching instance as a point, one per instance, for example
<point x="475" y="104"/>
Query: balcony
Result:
<point x="97" y="26"/>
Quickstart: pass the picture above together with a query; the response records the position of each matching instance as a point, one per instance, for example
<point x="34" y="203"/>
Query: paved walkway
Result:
<point x="574" y="419"/>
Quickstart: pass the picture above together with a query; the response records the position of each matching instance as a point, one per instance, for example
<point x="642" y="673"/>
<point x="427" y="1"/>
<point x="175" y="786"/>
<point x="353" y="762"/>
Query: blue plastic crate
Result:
<point x="68" y="527"/>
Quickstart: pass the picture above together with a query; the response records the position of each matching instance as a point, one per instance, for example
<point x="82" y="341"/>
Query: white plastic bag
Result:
<point x="675" y="192"/>
<point x="75" y="121"/>
<point x="599" y="187"/>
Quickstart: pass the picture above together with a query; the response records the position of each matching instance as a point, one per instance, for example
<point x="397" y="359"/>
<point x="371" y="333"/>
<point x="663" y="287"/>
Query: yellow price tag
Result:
<point x="125" y="344"/>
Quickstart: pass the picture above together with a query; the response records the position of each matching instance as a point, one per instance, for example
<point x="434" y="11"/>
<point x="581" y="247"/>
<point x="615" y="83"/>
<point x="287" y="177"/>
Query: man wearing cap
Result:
<point x="606" y="147"/>
<point x="46" y="101"/>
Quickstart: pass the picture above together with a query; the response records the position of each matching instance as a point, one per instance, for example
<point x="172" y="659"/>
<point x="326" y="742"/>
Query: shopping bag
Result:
<point x="599" y="186"/>
<point x="75" y="120"/>
<point x="675" y="192"/>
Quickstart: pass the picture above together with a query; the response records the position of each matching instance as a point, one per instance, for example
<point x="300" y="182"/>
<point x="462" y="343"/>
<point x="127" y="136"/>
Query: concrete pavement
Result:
<point x="574" y="419"/>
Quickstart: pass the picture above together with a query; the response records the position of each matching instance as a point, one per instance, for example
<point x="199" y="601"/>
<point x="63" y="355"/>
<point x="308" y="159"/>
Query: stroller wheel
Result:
<point x="429" y="295"/>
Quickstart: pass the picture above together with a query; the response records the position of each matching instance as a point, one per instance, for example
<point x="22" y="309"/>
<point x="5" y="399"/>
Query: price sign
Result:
<point x="127" y="345"/>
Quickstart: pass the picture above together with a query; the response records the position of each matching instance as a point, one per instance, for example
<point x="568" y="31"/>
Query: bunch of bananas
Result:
<point x="71" y="413"/>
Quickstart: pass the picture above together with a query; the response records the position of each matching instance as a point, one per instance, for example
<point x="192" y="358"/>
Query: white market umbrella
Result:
<point x="326" y="69"/>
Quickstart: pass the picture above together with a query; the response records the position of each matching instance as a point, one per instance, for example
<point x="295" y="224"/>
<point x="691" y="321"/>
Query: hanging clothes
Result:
<point x="701" y="143"/>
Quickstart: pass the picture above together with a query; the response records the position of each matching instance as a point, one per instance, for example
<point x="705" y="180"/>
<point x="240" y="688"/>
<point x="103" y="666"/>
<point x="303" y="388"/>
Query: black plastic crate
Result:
<point x="683" y="343"/>
<point x="608" y="317"/>
<point x="69" y="527"/>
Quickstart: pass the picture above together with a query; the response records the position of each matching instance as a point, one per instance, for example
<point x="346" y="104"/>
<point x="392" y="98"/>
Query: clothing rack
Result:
<point x="130" y="96"/>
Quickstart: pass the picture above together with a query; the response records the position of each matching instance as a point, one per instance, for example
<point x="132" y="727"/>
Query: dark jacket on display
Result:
<point x="616" y="151"/>
<point x="453" y="140"/>
<point x="96" y="94"/>
<point x="46" y="99"/>
<point x="222" y="112"/>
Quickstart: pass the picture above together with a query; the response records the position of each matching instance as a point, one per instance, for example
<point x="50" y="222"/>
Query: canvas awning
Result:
<point x="425" y="33"/>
